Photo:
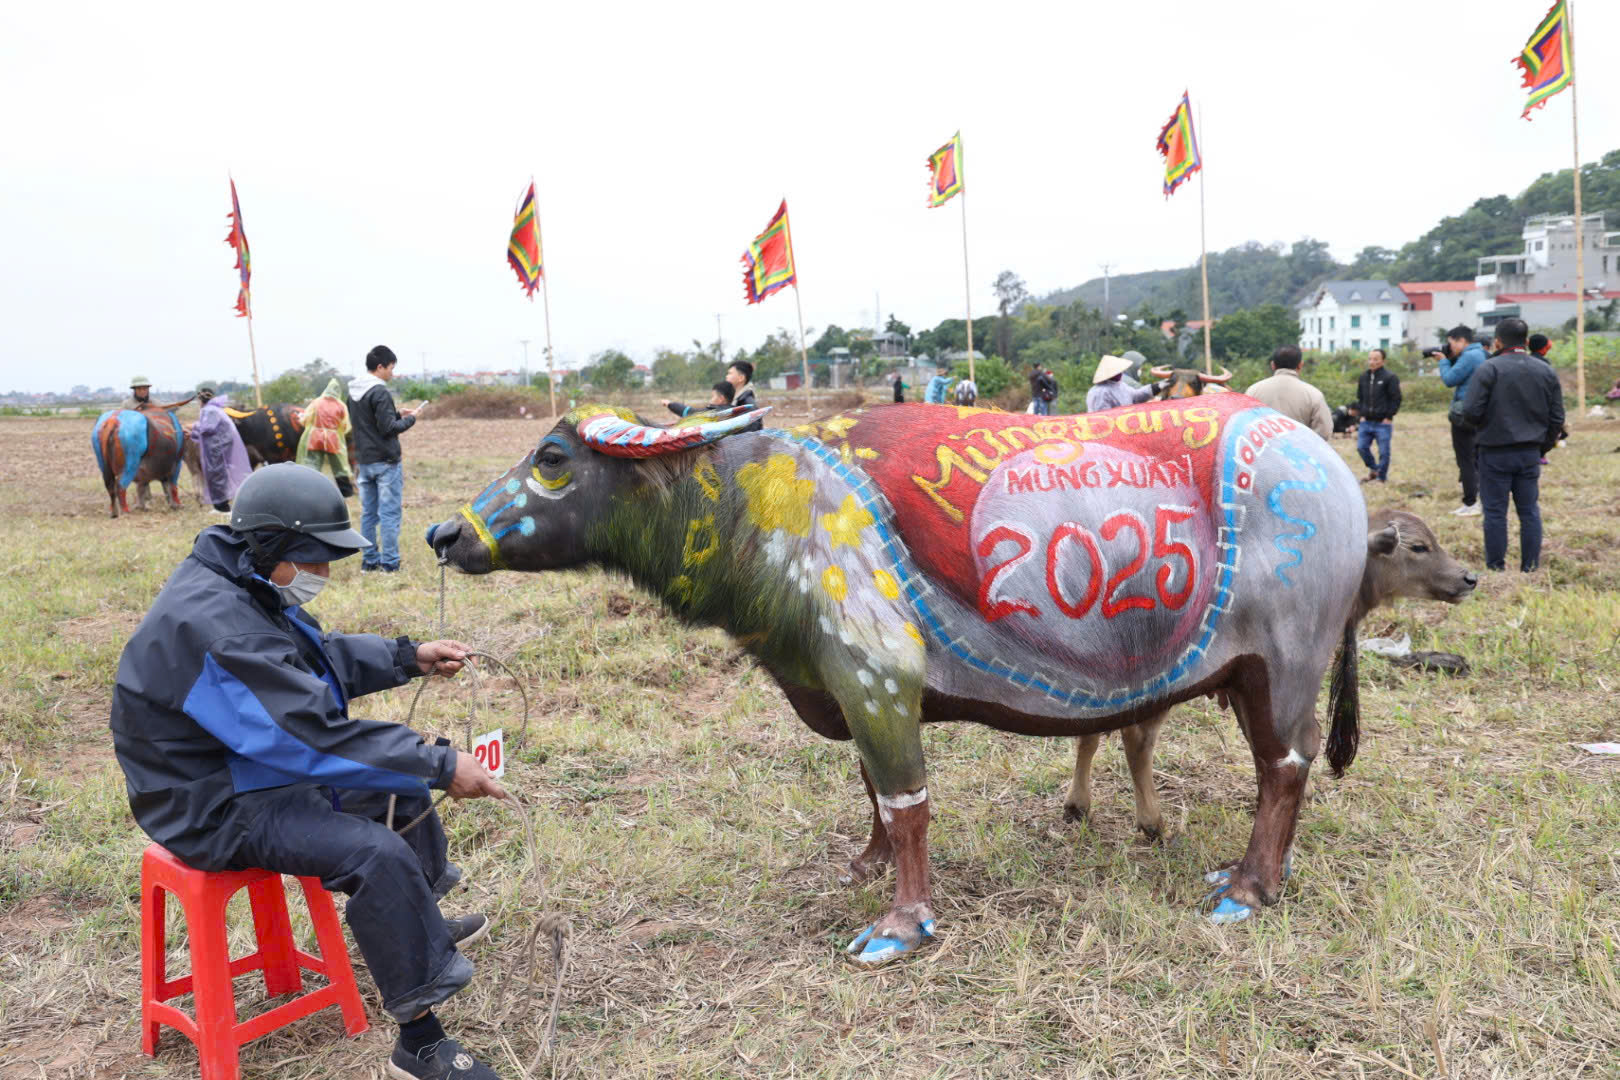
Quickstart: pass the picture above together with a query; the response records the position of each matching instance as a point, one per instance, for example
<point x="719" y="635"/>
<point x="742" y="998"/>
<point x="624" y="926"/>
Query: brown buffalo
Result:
<point x="1404" y="558"/>
<point x="1190" y="382"/>
<point x="138" y="447"/>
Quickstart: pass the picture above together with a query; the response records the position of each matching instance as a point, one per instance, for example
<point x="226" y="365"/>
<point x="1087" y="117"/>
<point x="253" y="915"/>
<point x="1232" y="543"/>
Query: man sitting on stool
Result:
<point x="230" y="719"/>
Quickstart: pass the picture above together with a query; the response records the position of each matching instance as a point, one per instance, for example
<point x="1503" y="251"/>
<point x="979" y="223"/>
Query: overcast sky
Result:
<point x="379" y="151"/>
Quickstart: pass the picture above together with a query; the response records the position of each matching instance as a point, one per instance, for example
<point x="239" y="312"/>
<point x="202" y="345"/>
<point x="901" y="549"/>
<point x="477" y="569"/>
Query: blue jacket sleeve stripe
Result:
<point x="272" y="757"/>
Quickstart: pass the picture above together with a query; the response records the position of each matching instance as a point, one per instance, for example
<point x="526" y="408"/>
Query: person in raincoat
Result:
<point x="325" y="438"/>
<point x="220" y="451"/>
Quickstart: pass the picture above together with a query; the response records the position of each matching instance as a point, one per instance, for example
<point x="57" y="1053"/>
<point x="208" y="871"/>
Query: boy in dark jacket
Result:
<point x="720" y="395"/>
<point x="377" y="426"/>
<point x="1516" y="406"/>
<point x="1378" y="394"/>
<point x="230" y="720"/>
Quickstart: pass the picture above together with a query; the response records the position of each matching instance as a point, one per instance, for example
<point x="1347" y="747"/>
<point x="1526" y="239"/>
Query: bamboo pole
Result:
<point x="545" y="301"/>
<point x="804" y="356"/>
<point x="1203" y="247"/>
<point x="253" y="354"/>
<point x="1580" y="230"/>
<point x="967" y="284"/>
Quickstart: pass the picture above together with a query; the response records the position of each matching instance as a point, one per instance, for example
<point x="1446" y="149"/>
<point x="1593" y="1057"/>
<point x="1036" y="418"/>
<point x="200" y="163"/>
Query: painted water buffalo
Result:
<point x="1404" y="559"/>
<point x="908" y="564"/>
<point x="1189" y="382"/>
<point x="270" y="432"/>
<point x="137" y="448"/>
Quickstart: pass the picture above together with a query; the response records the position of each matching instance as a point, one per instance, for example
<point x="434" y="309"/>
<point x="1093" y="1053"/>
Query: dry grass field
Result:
<point x="1455" y="910"/>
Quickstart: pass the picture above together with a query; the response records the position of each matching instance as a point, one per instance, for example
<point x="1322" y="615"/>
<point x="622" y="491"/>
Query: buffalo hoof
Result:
<point x="1154" y="831"/>
<point x="871" y="947"/>
<point x="1077" y="815"/>
<point x="1228" y="908"/>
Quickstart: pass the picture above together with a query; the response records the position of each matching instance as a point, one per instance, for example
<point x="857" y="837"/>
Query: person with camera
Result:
<point x="1515" y="405"/>
<point x="1378" y="395"/>
<point x="1459" y="358"/>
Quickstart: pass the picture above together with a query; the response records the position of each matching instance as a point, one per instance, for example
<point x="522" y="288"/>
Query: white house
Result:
<point x="1355" y="315"/>
<point x="1437" y="306"/>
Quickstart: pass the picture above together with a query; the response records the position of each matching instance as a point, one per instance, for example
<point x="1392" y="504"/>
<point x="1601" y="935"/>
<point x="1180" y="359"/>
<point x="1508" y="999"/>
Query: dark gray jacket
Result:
<point x="375" y="421"/>
<point x="1514" y="400"/>
<point x="1379" y="394"/>
<point x="222" y="696"/>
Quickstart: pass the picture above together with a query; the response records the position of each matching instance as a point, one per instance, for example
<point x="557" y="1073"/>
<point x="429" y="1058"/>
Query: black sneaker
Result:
<point x="444" y="1060"/>
<point x="468" y="928"/>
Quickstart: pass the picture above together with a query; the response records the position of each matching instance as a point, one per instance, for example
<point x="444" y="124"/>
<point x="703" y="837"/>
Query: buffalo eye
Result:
<point x="552" y="459"/>
<point x="1420" y="549"/>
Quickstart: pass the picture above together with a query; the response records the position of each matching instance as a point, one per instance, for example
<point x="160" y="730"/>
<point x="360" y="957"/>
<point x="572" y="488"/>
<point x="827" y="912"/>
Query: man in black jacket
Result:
<point x="377" y="426"/>
<point x="1378" y="394"/>
<point x="230" y="720"/>
<point x="1516" y="405"/>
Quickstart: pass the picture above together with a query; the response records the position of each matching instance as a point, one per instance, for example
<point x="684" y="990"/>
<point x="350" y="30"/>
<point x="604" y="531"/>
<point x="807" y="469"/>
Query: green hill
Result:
<point x="1255" y="274"/>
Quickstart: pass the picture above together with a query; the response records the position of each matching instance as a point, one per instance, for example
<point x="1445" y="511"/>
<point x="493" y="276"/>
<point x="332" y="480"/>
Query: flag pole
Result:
<point x="1203" y="246"/>
<point x="545" y="301"/>
<point x="804" y="356"/>
<point x="253" y="354"/>
<point x="1580" y="231"/>
<point x="967" y="284"/>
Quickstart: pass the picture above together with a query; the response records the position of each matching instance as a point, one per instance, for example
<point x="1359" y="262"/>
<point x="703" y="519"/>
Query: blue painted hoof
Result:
<point x="1223" y="878"/>
<point x="867" y="949"/>
<point x="1229" y="911"/>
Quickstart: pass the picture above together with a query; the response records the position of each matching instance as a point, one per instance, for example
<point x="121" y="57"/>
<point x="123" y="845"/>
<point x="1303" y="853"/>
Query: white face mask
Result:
<point x="303" y="588"/>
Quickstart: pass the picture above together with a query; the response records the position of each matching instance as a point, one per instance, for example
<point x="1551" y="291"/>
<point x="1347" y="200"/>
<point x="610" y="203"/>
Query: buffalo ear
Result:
<point x="1383" y="541"/>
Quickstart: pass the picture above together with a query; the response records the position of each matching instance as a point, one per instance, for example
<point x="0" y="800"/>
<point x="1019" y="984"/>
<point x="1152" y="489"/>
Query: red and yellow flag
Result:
<point x="244" y="260"/>
<point x="945" y="172"/>
<point x="523" y="249"/>
<point x="1178" y="145"/>
<point x="1548" y="58"/>
<point x="768" y="262"/>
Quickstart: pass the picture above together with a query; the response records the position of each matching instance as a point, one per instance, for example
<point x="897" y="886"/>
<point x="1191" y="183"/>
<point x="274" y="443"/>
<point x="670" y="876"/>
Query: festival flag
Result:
<point x="768" y="262"/>
<point x="523" y="249"/>
<point x="244" y="261"/>
<point x="1547" y="59"/>
<point x="945" y="172"/>
<point x="1179" y="147"/>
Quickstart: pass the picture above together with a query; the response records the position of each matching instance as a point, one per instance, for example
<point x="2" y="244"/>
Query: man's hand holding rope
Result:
<point x="441" y="657"/>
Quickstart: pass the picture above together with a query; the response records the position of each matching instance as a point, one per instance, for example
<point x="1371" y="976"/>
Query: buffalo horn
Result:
<point x="617" y="437"/>
<point x="1162" y="372"/>
<point x="1224" y="377"/>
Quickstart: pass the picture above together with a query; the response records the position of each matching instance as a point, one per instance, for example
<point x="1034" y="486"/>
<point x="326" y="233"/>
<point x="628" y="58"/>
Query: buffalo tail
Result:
<point x="1344" y="705"/>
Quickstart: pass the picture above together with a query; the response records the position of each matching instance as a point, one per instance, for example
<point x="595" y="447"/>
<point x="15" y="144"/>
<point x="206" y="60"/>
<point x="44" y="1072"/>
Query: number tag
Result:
<point x="490" y="750"/>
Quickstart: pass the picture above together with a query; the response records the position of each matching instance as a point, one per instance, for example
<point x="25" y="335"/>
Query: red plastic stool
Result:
<point x="203" y="897"/>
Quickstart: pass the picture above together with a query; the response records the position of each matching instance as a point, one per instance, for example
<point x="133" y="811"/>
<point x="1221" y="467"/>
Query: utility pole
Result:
<point x="525" y="343"/>
<point x="1107" y="314"/>
<point x="424" y="367"/>
<point x="719" y="340"/>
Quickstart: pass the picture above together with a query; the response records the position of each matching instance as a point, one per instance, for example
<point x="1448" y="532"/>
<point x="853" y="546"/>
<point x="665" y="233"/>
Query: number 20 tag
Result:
<point x="490" y="752"/>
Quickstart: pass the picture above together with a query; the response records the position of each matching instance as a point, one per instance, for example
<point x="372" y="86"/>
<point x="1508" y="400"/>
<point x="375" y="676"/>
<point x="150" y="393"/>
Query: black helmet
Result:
<point x="281" y="508"/>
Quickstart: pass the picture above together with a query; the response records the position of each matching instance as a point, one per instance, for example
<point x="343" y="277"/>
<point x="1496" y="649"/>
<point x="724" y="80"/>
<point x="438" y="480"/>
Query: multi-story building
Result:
<point x="1537" y="284"/>
<point x="1437" y="306"/>
<point x="1355" y="315"/>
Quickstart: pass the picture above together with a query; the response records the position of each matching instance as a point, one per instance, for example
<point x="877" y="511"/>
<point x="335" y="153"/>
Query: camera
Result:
<point x="1437" y="353"/>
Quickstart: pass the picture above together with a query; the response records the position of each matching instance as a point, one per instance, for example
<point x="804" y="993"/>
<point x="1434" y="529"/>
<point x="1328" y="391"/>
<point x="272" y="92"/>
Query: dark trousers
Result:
<point x="1462" y="444"/>
<point x="1366" y="434"/>
<point x="1516" y="471"/>
<point x="392" y="881"/>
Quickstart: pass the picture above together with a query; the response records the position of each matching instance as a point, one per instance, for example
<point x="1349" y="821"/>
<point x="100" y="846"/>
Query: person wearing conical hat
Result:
<point x="1108" y="390"/>
<point x="140" y="393"/>
<point x="325" y="438"/>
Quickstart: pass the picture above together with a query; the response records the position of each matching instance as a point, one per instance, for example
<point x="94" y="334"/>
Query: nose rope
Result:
<point x="556" y="927"/>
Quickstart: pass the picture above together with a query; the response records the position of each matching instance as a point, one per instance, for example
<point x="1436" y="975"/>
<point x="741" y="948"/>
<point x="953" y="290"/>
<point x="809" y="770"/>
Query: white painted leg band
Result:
<point x="1294" y="758"/>
<point x="902" y="802"/>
